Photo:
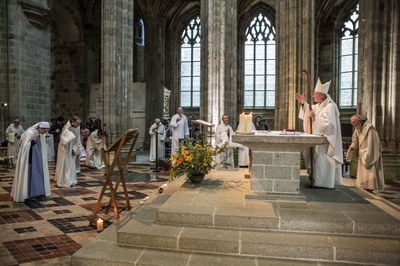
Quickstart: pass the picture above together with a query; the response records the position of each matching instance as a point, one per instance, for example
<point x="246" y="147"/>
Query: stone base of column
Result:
<point x="391" y="167"/>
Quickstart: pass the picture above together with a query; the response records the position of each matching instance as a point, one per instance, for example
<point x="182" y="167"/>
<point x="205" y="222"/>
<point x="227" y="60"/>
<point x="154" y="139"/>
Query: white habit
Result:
<point x="366" y="143"/>
<point x="68" y="156"/>
<point x="93" y="150"/>
<point x="180" y="131"/>
<point x="161" y="138"/>
<point x="20" y="187"/>
<point x="13" y="135"/>
<point x="328" y="158"/>
<point x="223" y="139"/>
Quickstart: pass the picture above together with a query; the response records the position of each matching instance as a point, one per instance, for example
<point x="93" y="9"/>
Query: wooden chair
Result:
<point x="121" y="163"/>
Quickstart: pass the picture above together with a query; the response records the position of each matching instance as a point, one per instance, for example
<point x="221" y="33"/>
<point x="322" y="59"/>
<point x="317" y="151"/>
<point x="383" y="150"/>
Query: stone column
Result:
<point x="154" y="70"/>
<point x="219" y="60"/>
<point x="26" y="66"/>
<point x="116" y="64"/>
<point x="378" y="77"/>
<point x="296" y="51"/>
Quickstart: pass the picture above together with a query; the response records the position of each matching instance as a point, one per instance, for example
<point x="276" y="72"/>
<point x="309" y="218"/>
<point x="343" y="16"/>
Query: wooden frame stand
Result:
<point x="116" y="147"/>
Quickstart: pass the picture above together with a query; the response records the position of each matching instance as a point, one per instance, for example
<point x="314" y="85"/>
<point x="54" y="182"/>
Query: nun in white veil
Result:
<point x="31" y="178"/>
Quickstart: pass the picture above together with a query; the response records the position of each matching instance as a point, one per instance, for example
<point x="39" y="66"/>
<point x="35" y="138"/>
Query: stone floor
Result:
<point x="49" y="231"/>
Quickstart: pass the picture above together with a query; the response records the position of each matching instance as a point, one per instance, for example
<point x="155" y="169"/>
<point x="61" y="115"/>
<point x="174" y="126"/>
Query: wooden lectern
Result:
<point x="203" y="124"/>
<point x="116" y="147"/>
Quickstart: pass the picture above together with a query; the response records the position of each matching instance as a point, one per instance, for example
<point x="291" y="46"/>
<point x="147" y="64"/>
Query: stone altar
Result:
<point x="275" y="164"/>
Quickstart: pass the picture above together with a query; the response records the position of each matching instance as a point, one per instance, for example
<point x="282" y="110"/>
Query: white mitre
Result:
<point x="322" y="88"/>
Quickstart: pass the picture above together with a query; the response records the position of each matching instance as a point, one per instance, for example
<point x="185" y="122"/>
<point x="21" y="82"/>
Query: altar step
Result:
<point x="214" y="224"/>
<point x="261" y="215"/>
<point x="99" y="253"/>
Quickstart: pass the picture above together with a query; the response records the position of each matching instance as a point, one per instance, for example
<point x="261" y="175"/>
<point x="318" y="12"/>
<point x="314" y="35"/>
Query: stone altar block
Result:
<point x="275" y="164"/>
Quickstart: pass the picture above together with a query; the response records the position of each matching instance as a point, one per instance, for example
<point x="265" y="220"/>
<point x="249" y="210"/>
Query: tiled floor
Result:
<point x="50" y="230"/>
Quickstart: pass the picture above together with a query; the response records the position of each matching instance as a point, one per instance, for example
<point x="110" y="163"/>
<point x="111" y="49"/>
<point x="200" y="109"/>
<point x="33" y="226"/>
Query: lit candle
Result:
<point x="242" y="123"/>
<point x="100" y="225"/>
<point x="250" y="123"/>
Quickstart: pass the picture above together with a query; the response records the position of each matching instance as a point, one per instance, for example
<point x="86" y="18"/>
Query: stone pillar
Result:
<point x="379" y="76"/>
<point x="154" y="70"/>
<point x="116" y="64"/>
<point x="25" y="69"/>
<point x="296" y="51"/>
<point x="219" y="60"/>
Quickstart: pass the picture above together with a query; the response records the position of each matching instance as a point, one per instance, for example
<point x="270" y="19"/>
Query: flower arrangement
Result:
<point x="191" y="160"/>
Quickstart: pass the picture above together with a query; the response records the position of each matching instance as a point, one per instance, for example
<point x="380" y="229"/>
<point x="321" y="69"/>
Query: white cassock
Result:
<point x="224" y="140"/>
<point x="20" y="187"/>
<point x="161" y="138"/>
<point x="180" y="130"/>
<point x="328" y="158"/>
<point x="366" y="143"/>
<point x="67" y="163"/>
<point x="93" y="150"/>
<point x="12" y="135"/>
<point x="50" y="145"/>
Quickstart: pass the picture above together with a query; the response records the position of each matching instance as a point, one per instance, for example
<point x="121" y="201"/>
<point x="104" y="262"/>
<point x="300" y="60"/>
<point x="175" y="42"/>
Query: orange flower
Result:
<point x="180" y="160"/>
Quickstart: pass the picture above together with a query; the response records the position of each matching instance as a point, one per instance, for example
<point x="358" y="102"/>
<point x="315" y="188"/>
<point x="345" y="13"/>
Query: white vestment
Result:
<point x="224" y="140"/>
<point x="13" y="135"/>
<point x="68" y="156"/>
<point x="50" y="145"/>
<point x="20" y="185"/>
<point x="366" y="143"/>
<point x="180" y="131"/>
<point x="93" y="150"/>
<point x="153" y="131"/>
<point x="328" y="158"/>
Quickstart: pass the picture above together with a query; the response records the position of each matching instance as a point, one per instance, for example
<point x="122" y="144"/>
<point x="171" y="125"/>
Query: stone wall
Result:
<point x="3" y="65"/>
<point x="29" y="65"/>
<point x="67" y="98"/>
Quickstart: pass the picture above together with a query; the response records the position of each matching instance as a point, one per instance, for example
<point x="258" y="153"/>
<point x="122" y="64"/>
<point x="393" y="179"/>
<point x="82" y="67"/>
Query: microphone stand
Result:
<point x="157" y="169"/>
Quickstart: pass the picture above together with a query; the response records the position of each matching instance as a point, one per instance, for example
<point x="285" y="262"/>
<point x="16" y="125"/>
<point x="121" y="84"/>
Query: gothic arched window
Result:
<point x="190" y="65"/>
<point x="139" y="32"/>
<point x="259" y="64"/>
<point x="348" y="61"/>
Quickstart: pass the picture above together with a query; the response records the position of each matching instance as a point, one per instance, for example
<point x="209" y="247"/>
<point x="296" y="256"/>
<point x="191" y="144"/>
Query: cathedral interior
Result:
<point x="129" y="62"/>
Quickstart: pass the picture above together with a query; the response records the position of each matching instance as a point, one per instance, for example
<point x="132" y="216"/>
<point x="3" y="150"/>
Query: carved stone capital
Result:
<point x="38" y="16"/>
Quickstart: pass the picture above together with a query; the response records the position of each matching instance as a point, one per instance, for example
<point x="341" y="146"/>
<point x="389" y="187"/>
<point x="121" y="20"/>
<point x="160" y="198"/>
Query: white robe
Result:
<point x="161" y="138"/>
<point x="12" y="135"/>
<point x="180" y="130"/>
<point x="328" y="158"/>
<point x="366" y="143"/>
<point x="68" y="164"/>
<point x="50" y="145"/>
<point x="93" y="150"/>
<point x="19" y="189"/>
<point x="223" y="140"/>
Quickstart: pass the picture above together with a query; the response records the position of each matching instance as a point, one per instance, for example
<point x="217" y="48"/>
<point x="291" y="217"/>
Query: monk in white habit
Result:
<point x="366" y="145"/>
<point x="223" y="140"/>
<point x="31" y="179"/>
<point x="69" y="149"/>
<point x="179" y="128"/>
<point x="328" y="158"/>
<point x="13" y="135"/>
<point x="157" y="132"/>
<point x="96" y="141"/>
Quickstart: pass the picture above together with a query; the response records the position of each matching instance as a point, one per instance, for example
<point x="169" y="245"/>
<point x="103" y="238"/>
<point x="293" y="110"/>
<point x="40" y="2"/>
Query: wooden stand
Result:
<point x="116" y="147"/>
<point x="204" y="124"/>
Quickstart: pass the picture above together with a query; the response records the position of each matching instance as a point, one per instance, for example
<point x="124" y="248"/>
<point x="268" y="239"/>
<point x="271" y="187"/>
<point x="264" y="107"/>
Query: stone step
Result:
<point x="240" y="242"/>
<point x="107" y="253"/>
<point x="261" y="215"/>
